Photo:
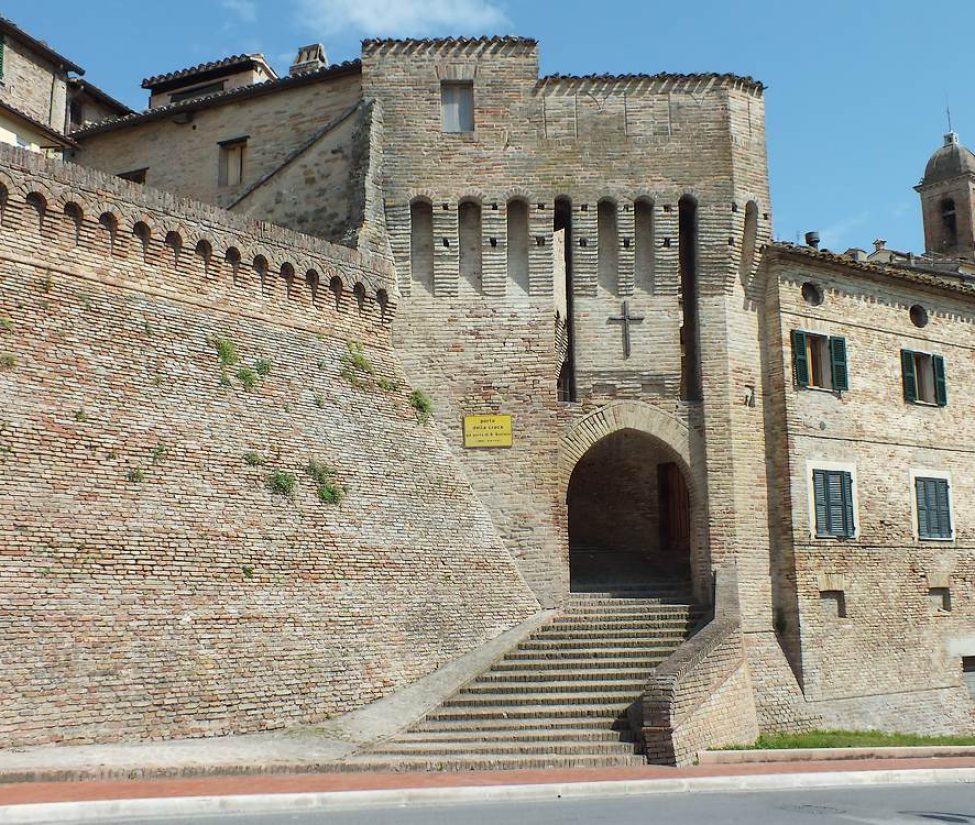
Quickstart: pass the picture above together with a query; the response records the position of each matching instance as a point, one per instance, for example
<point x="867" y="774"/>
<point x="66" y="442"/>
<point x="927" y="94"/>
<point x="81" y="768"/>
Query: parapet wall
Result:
<point x="170" y="566"/>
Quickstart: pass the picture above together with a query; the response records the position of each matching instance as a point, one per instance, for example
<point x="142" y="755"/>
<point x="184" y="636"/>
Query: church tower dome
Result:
<point x="947" y="193"/>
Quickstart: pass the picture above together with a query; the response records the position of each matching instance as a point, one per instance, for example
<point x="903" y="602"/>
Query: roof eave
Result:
<point x="12" y="29"/>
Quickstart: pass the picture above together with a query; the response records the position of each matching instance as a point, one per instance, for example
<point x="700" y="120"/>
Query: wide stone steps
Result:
<point x="559" y="699"/>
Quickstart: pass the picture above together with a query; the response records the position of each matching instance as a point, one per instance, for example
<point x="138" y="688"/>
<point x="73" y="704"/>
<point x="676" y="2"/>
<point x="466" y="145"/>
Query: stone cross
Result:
<point x="626" y="319"/>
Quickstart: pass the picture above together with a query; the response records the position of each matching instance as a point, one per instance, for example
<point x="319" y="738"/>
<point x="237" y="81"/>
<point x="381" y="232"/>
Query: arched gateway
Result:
<point x="635" y="506"/>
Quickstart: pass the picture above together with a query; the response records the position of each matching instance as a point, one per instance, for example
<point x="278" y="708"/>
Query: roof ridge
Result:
<point x="219" y="97"/>
<point x="230" y="60"/>
<point x="453" y="40"/>
<point x="608" y="76"/>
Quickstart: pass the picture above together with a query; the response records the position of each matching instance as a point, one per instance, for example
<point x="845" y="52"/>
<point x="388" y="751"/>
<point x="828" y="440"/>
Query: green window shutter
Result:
<point x="800" y="360"/>
<point x="837" y="352"/>
<point x="846" y="487"/>
<point x="819" y="494"/>
<point x="923" y="513"/>
<point x="940" y="385"/>
<point x="910" y="379"/>
<point x="944" y="510"/>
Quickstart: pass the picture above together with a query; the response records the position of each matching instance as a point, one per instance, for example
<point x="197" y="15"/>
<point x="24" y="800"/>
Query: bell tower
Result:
<point x="947" y="193"/>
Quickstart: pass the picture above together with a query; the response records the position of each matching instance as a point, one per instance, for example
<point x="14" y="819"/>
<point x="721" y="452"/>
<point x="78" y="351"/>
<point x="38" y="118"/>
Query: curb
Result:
<point x="751" y="757"/>
<point x="122" y="810"/>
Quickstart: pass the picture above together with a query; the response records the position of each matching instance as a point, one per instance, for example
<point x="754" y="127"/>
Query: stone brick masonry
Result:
<point x="151" y="584"/>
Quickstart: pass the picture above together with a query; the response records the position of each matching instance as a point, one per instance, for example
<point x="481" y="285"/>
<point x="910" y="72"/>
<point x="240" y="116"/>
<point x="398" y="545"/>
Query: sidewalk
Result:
<point x="104" y="800"/>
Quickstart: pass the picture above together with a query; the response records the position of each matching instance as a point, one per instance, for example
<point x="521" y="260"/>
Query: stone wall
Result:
<point x="701" y="696"/>
<point x="281" y="120"/>
<point x="895" y="640"/>
<point x="33" y="85"/>
<point x="160" y="394"/>
<point x="493" y="346"/>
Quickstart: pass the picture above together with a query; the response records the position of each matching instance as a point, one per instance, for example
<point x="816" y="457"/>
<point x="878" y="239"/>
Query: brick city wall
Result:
<point x="151" y="582"/>
<point x="896" y="640"/>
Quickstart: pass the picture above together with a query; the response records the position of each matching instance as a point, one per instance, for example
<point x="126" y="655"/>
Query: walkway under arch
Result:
<point x="634" y="501"/>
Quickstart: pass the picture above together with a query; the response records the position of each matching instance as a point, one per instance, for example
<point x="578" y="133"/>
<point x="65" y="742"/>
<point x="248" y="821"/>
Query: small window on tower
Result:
<point x="949" y="221"/>
<point x="231" y="169"/>
<point x="457" y="101"/>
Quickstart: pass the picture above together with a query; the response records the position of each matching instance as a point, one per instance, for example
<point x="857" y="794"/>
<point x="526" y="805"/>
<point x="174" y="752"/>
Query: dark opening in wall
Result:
<point x="144" y="234"/>
<point x="833" y="603"/>
<point x="919" y="316"/>
<point x="469" y="232"/>
<point x="749" y="240"/>
<point x="949" y="222"/>
<point x="812" y="294"/>
<point x="421" y="244"/>
<point x="74" y="215"/>
<point x="609" y="253"/>
<point x="643" y="253"/>
<point x="38" y="203"/>
<point x="968" y="673"/>
<point x="690" y="331"/>
<point x="567" y="377"/>
<point x="940" y="598"/>
<point x="518" y="271"/>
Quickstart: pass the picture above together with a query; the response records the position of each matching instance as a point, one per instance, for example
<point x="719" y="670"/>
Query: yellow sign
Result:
<point x="487" y="431"/>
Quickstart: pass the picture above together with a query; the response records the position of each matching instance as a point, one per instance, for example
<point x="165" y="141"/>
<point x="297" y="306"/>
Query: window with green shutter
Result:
<point x="833" y="495"/>
<point x="819" y="361"/>
<point x="924" y="378"/>
<point x="933" y="508"/>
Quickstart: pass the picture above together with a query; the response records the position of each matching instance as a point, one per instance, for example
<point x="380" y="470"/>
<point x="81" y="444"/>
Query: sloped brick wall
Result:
<point x="151" y="583"/>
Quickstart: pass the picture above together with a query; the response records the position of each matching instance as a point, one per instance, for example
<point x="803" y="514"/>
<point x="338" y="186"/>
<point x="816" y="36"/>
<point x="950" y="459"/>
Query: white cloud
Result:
<point x="246" y="10"/>
<point x="403" y="17"/>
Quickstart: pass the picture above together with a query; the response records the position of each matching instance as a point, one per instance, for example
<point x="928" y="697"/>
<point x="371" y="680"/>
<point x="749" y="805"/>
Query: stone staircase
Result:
<point x="558" y="699"/>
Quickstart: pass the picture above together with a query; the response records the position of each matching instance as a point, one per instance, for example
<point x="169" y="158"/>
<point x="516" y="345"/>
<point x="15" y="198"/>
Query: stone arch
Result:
<point x="680" y="444"/>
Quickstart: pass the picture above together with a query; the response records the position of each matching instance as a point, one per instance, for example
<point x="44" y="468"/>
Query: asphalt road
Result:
<point x="890" y="805"/>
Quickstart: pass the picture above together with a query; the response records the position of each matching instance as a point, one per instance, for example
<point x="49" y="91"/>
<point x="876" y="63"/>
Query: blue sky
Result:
<point x="855" y="104"/>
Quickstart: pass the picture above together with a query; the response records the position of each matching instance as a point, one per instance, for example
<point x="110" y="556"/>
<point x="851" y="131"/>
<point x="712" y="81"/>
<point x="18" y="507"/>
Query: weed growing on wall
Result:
<point x="282" y="484"/>
<point x="159" y="452"/>
<point x="136" y="475"/>
<point x="80" y="415"/>
<point x="262" y="367"/>
<point x="248" y="378"/>
<point x="7" y="362"/>
<point x="252" y="459"/>
<point x="329" y="491"/>
<point x="356" y="367"/>
<point x="226" y="352"/>
<point x="248" y="571"/>
<point x="422" y="404"/>
<point x="388" y="384"/>
<point x="6" y="325"/>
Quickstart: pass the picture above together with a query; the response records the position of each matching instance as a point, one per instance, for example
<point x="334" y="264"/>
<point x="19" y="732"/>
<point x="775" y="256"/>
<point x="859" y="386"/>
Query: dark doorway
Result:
<point x="629" y="513"/>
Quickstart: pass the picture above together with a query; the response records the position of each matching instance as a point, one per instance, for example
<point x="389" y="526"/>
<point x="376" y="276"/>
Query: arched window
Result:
<point x="689" y="333"/>
<point x="288" y="276"/>
<point x="73" y="214"/>
<point x="37" y="202"/>
<point x="232" y="257"/>
<point x="566" y="382"/>
<point x="4" y="199"/>
<point x="312" y="281"/>
<point x="204" y="252"/>
<point x="949" y="220"/>
<point x="518" y="268"/>
<point x="609" y="241"/>
<point x="382" y="298"/>
<point x="749" y="240"/>
<point x="142" y="232"/>
<point x="643" y="241"/>
<point x="469" y="233"/>
<point x="335" y="287"/>
<point x="109" y="230"/>
<point x="359" y="291"/>
<point x="174" y="243"/>
<point x="421" y="244"/>
<point x="260" y="269"/>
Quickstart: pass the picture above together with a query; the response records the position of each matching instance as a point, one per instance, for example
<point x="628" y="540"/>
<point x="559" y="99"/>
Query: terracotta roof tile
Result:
<point x="506" y="39"/>
<point x="224" y="62"/>
<point x="44" y="129"/>
<point x="219" y="98"/>
<point x="661" y="76"/>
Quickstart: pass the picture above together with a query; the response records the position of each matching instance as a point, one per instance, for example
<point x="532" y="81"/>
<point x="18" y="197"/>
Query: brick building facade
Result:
<point x="593" y="257"/>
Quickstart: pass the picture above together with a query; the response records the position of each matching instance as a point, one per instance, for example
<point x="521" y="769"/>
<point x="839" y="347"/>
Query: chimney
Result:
<point x="879" y="245"/>
<point x="310" y="59"/>
<point x="812" y="239"/>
